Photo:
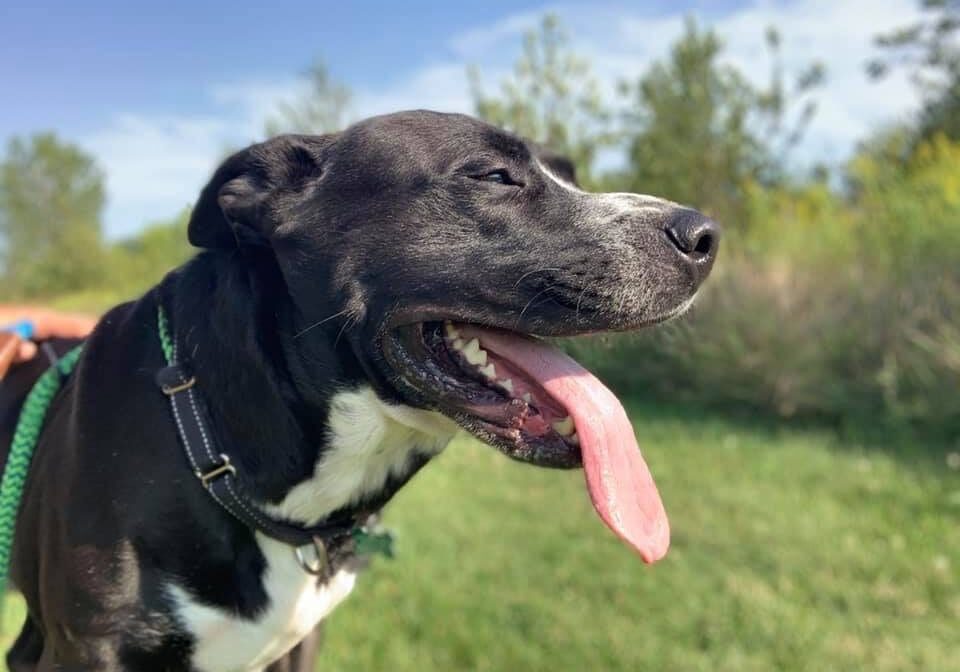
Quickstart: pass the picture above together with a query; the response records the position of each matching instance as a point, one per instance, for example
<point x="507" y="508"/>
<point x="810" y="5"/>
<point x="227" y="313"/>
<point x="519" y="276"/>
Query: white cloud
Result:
<point x="256" y="100"/>
<point x="840" y="35"/>
<point x="442" y="87"/>
<point x="483" y="40"/>
<point x="156" y="164"/>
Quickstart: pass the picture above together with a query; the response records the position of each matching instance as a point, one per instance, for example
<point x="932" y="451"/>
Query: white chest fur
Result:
<point x="369" y="441"/>
<point x="226" y="643"/>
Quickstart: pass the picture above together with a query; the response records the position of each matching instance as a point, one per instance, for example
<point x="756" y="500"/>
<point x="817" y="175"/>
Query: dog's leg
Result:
<point x="27" y="649"/>
<point x="302" y="657"/>
<point x="98" y="655"/>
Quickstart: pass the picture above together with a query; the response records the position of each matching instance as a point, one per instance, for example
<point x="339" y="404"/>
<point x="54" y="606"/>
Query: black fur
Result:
<point x="316" y="248"/>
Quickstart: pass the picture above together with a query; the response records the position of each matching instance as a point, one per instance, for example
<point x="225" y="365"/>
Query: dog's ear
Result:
<point x="235" y="207"/>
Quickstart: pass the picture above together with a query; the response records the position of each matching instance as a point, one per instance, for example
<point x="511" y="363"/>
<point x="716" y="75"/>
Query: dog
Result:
<point x="359" y="298"/>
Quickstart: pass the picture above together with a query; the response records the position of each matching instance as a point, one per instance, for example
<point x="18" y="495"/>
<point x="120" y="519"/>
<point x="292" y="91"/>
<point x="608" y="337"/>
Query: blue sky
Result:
<point x="157" y="93"/>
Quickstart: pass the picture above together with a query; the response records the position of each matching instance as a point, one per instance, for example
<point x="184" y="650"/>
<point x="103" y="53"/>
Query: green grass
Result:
<point x="791" y="551"/>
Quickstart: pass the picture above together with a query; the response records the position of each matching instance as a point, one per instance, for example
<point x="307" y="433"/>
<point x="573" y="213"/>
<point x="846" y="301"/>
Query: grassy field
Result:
<point x="791" y="551"/>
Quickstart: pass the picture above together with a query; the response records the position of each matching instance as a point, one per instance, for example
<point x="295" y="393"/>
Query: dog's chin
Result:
<point x="445" y="366"/>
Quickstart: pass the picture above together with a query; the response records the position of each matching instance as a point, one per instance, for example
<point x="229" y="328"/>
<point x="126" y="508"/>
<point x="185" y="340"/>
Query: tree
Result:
<point x="137" y="262"/>
<point x="323" y="108"/>
<point x="930" y="50"/>
<point x="51" y="200"/>
<point x="551" y="98"/>
<point x="699" y="131"/>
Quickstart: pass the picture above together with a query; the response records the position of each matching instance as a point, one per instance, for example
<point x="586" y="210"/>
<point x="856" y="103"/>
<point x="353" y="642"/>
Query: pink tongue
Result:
<point x="620" y="484"/>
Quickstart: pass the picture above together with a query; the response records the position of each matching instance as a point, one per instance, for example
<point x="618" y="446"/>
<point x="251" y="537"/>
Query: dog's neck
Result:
<point x="305" y="448"/>
<point x="373" y="448"/>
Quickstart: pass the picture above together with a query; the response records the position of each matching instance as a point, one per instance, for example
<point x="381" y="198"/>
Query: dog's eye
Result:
<point x="498" y="176"/>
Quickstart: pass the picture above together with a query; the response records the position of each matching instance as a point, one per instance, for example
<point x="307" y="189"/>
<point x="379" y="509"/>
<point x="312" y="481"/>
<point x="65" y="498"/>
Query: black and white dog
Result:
<point x="360" y="297"/>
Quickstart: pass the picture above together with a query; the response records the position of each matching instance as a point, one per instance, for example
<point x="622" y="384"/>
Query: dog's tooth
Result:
<point x="474" y="353"/>
<point x="451" y="330"/>
<point x="563" y="427"/>
<point x="527" y="397"/>
<point x="506" y="384"/>
<point x="489" y="371"/>
<point x="458" y="344"/>
<point x="573" y="439"/>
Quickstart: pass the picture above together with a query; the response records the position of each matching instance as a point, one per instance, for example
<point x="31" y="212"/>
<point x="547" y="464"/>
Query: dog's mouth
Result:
<point x="537" y="405"/>
<point x="487" y="393"/>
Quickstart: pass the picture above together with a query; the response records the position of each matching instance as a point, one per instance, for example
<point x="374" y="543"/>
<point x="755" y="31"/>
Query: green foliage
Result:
<point x="141" y="261"/>
<point x="323" y="108"/>
<point x="552" y="98"/>
<point x="51" y="198"/>
<point x="930" y="50"/>
<point x="130" y="267"/>
<point x="699" y="132"/>
<point x="919" y="200"/>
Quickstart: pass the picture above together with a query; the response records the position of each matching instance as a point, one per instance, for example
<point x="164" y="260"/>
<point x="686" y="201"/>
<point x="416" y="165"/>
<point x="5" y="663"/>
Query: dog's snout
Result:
<point x="696" y="236"/>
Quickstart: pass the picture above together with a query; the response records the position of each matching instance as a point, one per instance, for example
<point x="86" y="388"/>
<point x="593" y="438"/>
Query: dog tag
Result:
<point x="373" y="543"/>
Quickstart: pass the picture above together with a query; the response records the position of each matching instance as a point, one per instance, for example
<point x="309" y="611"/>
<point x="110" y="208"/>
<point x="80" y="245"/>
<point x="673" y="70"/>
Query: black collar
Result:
<point x="218" y="475"/>
<point x="344" y="534"/>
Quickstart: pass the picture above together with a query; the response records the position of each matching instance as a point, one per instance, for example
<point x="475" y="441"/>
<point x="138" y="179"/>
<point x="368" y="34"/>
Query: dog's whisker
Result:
<point x="623" y="298"/>
<point x="520" y="317"/>
<point x="317" y="324"/>
<point x="529" y="273"/>
<point x="583" y="291"/>
<point x="352" y="320"/>
<point x="339" y="334"/>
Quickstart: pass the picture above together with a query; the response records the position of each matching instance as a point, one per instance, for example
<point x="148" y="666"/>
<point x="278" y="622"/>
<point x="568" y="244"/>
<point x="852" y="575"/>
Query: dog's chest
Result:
<point x="225" y="642"/>
<point x="369" y="442"/>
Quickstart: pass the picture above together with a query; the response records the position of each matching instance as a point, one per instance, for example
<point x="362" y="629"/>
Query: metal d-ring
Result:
<point x="319" y="565"/>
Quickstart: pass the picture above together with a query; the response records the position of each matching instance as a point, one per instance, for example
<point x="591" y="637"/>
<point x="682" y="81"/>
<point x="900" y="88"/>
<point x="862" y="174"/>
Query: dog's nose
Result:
<point x="697" y="237"/>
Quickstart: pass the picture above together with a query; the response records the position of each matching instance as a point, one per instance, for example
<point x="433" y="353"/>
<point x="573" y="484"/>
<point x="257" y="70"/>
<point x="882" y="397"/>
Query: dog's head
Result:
<point x="433" y="246"/>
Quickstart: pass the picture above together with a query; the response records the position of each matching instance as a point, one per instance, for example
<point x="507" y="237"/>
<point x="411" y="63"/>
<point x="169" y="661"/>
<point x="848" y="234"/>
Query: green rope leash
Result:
<point x="166" y="341"/>
<point x="21" y="451"/>
<point x="25" y="438"/>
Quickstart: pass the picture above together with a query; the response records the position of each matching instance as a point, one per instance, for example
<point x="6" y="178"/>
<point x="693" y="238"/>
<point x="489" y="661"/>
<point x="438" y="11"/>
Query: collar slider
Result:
<point x="217" y="472"/>
<point x="171" y="390"/>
